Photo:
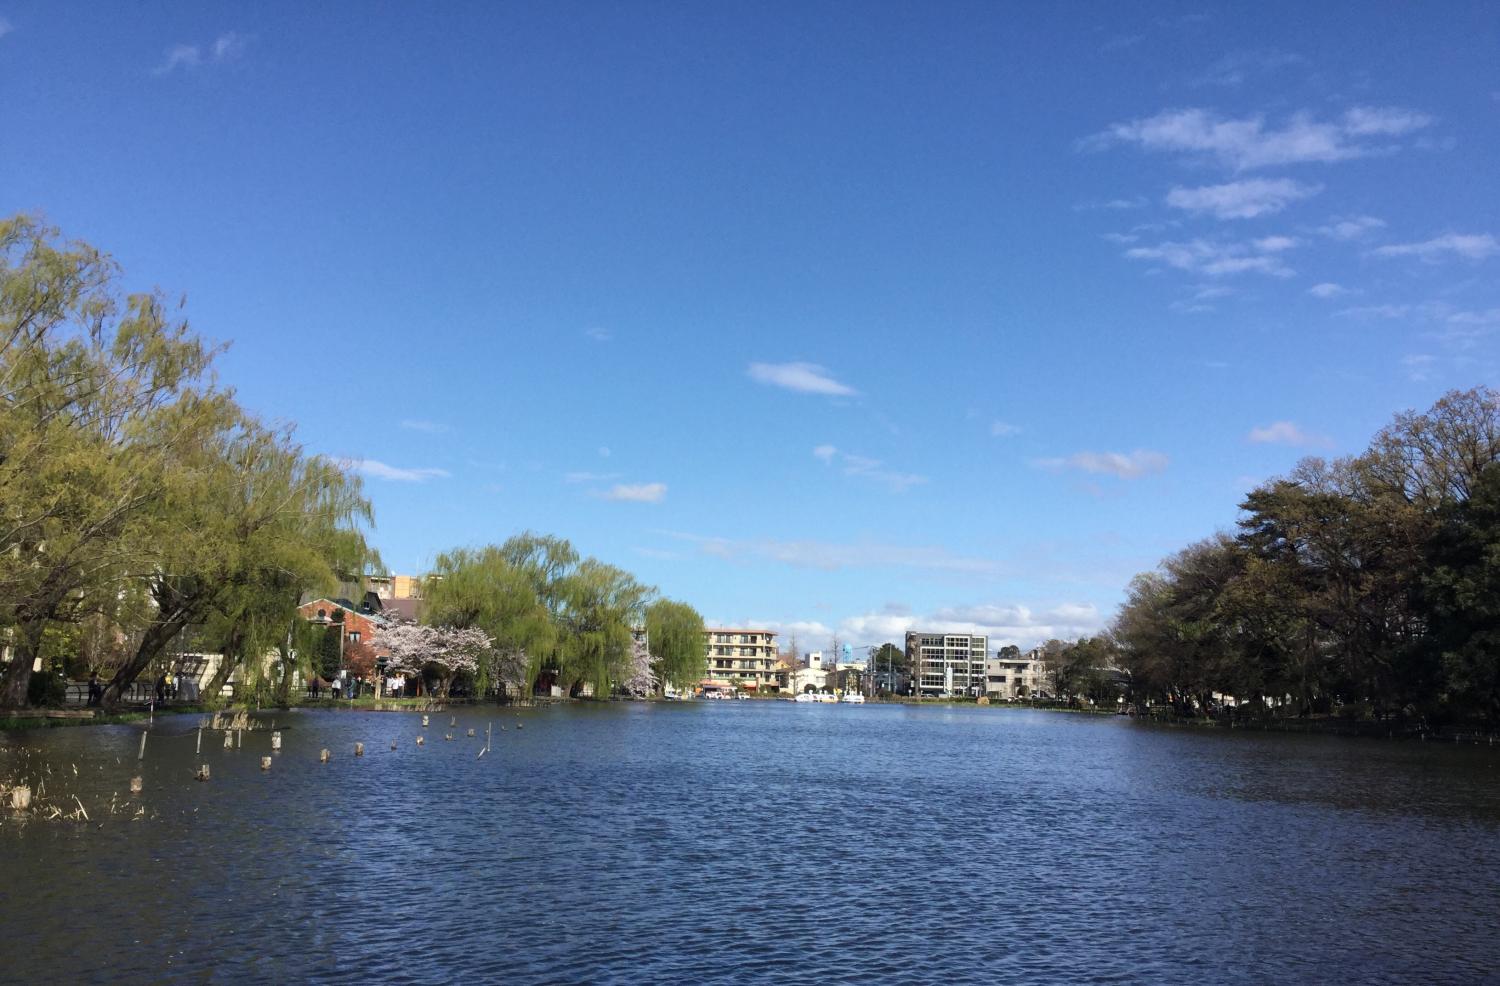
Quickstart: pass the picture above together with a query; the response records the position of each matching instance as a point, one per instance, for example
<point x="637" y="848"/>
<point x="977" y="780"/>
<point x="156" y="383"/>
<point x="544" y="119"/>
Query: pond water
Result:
<point x="754" y="842"/>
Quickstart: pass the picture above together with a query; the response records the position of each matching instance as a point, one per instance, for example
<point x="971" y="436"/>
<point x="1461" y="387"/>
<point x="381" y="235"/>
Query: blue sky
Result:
<point x="827" y="317"/>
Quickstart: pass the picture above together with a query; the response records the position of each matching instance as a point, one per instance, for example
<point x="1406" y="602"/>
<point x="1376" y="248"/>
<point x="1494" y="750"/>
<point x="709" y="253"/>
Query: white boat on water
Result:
<point x="853" y="698"/>
<point x="805" y="697"/>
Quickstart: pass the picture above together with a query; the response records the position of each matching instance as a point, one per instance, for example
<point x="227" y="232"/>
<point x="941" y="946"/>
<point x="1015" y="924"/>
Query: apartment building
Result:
<point x="741" y="658"/>
<point x="395" y="586"/>
<point x="1011" y="678"/>
<point x="946" y="664"/>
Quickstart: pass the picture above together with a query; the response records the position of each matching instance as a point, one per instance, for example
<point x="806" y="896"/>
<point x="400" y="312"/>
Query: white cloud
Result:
<point x="225" y="48"/>
<point x="1468" y="246"/>
<point x="1139" y="202"/>
<point x="1002" y="623"/>
<point x="1247" y="143"/>
<point x="636" y="492"/>
<point x="1351" y="227"/>
<point x="1376" y="311"/>
<point x="1236" y="68"/>
<point x="867" y="468"/>
<point x="1217" y="259"/>
<point x="589" y="477"/>
<point x="429" y="427"/>
<point x="1242" y="199"/>
<point x="1004" y="429"/>
<point x="1491" y="317"/>
<point x="1383" y="121"/>
<point x="1420" y="367"/>
<point x="604" y="452"/>
<point x="1287" y="433"/>
<point x="1275" y="244"/>
<point x="184" y="56"/>
<point x="379" y="470"/>
<point x="833" y="556"/>
<point x="229" y="46"/>
<point x="1123" y="465"/>
<point x="1327" y="290"/>
<point x="807" y="378"/>
<point x="5" y="27"/>
<point x="598" y="334"/>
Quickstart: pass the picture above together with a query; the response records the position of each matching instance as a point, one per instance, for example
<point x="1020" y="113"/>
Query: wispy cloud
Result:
<point x="1351" y="227"/>
<point x="427" y="427"/>
<point x="1242" y="199"/>
<point x="1004" y="429"/>
<point x="867" y="468"/>
<point x="1287" y="433"/>
<point x="598" y="334"/>
<point x="226" y="47"/>
<point x="1466" y="246"/>
<point x="1327" y="290"/>
<point x="636" y="492"/>
<point x="1248" y="143"/>
<point x="1122" y="465"/>
<point x="1216" y="259"/>
<point x="1138" y="202"/>
<point x="1376" y="311"/>
<point x="806" y="378"/>
<point x="832" y="556"/>
<point x="1420" y="367"/>
<point x="5" y="27"/>
<point x="1239" y="67"/>
<point x="379" y="470"/>
<point x="589" y="477"/>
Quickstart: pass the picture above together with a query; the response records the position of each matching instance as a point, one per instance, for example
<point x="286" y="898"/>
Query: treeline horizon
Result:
<point x="138" y="500"/>
<point x="1363" y="585"/>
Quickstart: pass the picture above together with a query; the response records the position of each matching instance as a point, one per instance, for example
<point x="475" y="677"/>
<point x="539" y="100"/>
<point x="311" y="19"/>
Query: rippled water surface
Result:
<point x="755" y="842"/>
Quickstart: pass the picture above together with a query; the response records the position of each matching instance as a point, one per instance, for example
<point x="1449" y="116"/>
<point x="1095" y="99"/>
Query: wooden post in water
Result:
<point x="323" y="755"/>
<point x="135" y="785"/>
<point x="276" y="740"/>
<point x="142" y="755"/>
<point x="419" y="741"/>
<point x="359" y="749"/>
<point x="203" y="771"/>
<point x="265" y="763"/>
<point x="471" y="731"/>
<point x="393" y="744"/>
<point x="199" y="748"/>
<point x="228" y="739"/>
<point x="20" y="797"/>
<point x="424" y="722"/>
<point x="453" y="720"/>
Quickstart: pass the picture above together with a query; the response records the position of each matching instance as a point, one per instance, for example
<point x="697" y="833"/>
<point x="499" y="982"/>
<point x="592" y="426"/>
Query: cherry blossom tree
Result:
<point x="439" y="652"/>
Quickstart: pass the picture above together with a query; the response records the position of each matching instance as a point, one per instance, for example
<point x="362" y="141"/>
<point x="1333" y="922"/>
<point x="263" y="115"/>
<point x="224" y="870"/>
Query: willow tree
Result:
<point x="486" y="588"/>
<point x="100" y="394"/>
<point x="601" y="605"/>
<point x="254" y="524"/>
<point x="674" y="633"/>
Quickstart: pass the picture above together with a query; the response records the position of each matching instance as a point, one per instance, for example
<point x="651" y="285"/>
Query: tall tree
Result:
<point x="674" y="631"/>
<point x="100" y="396"/>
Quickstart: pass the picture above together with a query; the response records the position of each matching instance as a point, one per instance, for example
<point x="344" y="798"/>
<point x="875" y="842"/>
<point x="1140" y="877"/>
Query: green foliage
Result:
<point x="133" y="490"/>
<point x="48" y="689"/>
<point x="1371" y="580"/>
<point x="674" y="632"/>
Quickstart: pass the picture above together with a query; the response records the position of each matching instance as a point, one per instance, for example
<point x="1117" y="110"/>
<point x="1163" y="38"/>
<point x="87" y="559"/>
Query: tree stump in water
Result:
<point x="359" y="749"/>
<point x="323" y="755"/>
<point x="136" y="784"/>
<point x="265" y="763"/>
<point x="276" y="740"/>
<point x="20" y="797"/>
<point x="203" y="771"/>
